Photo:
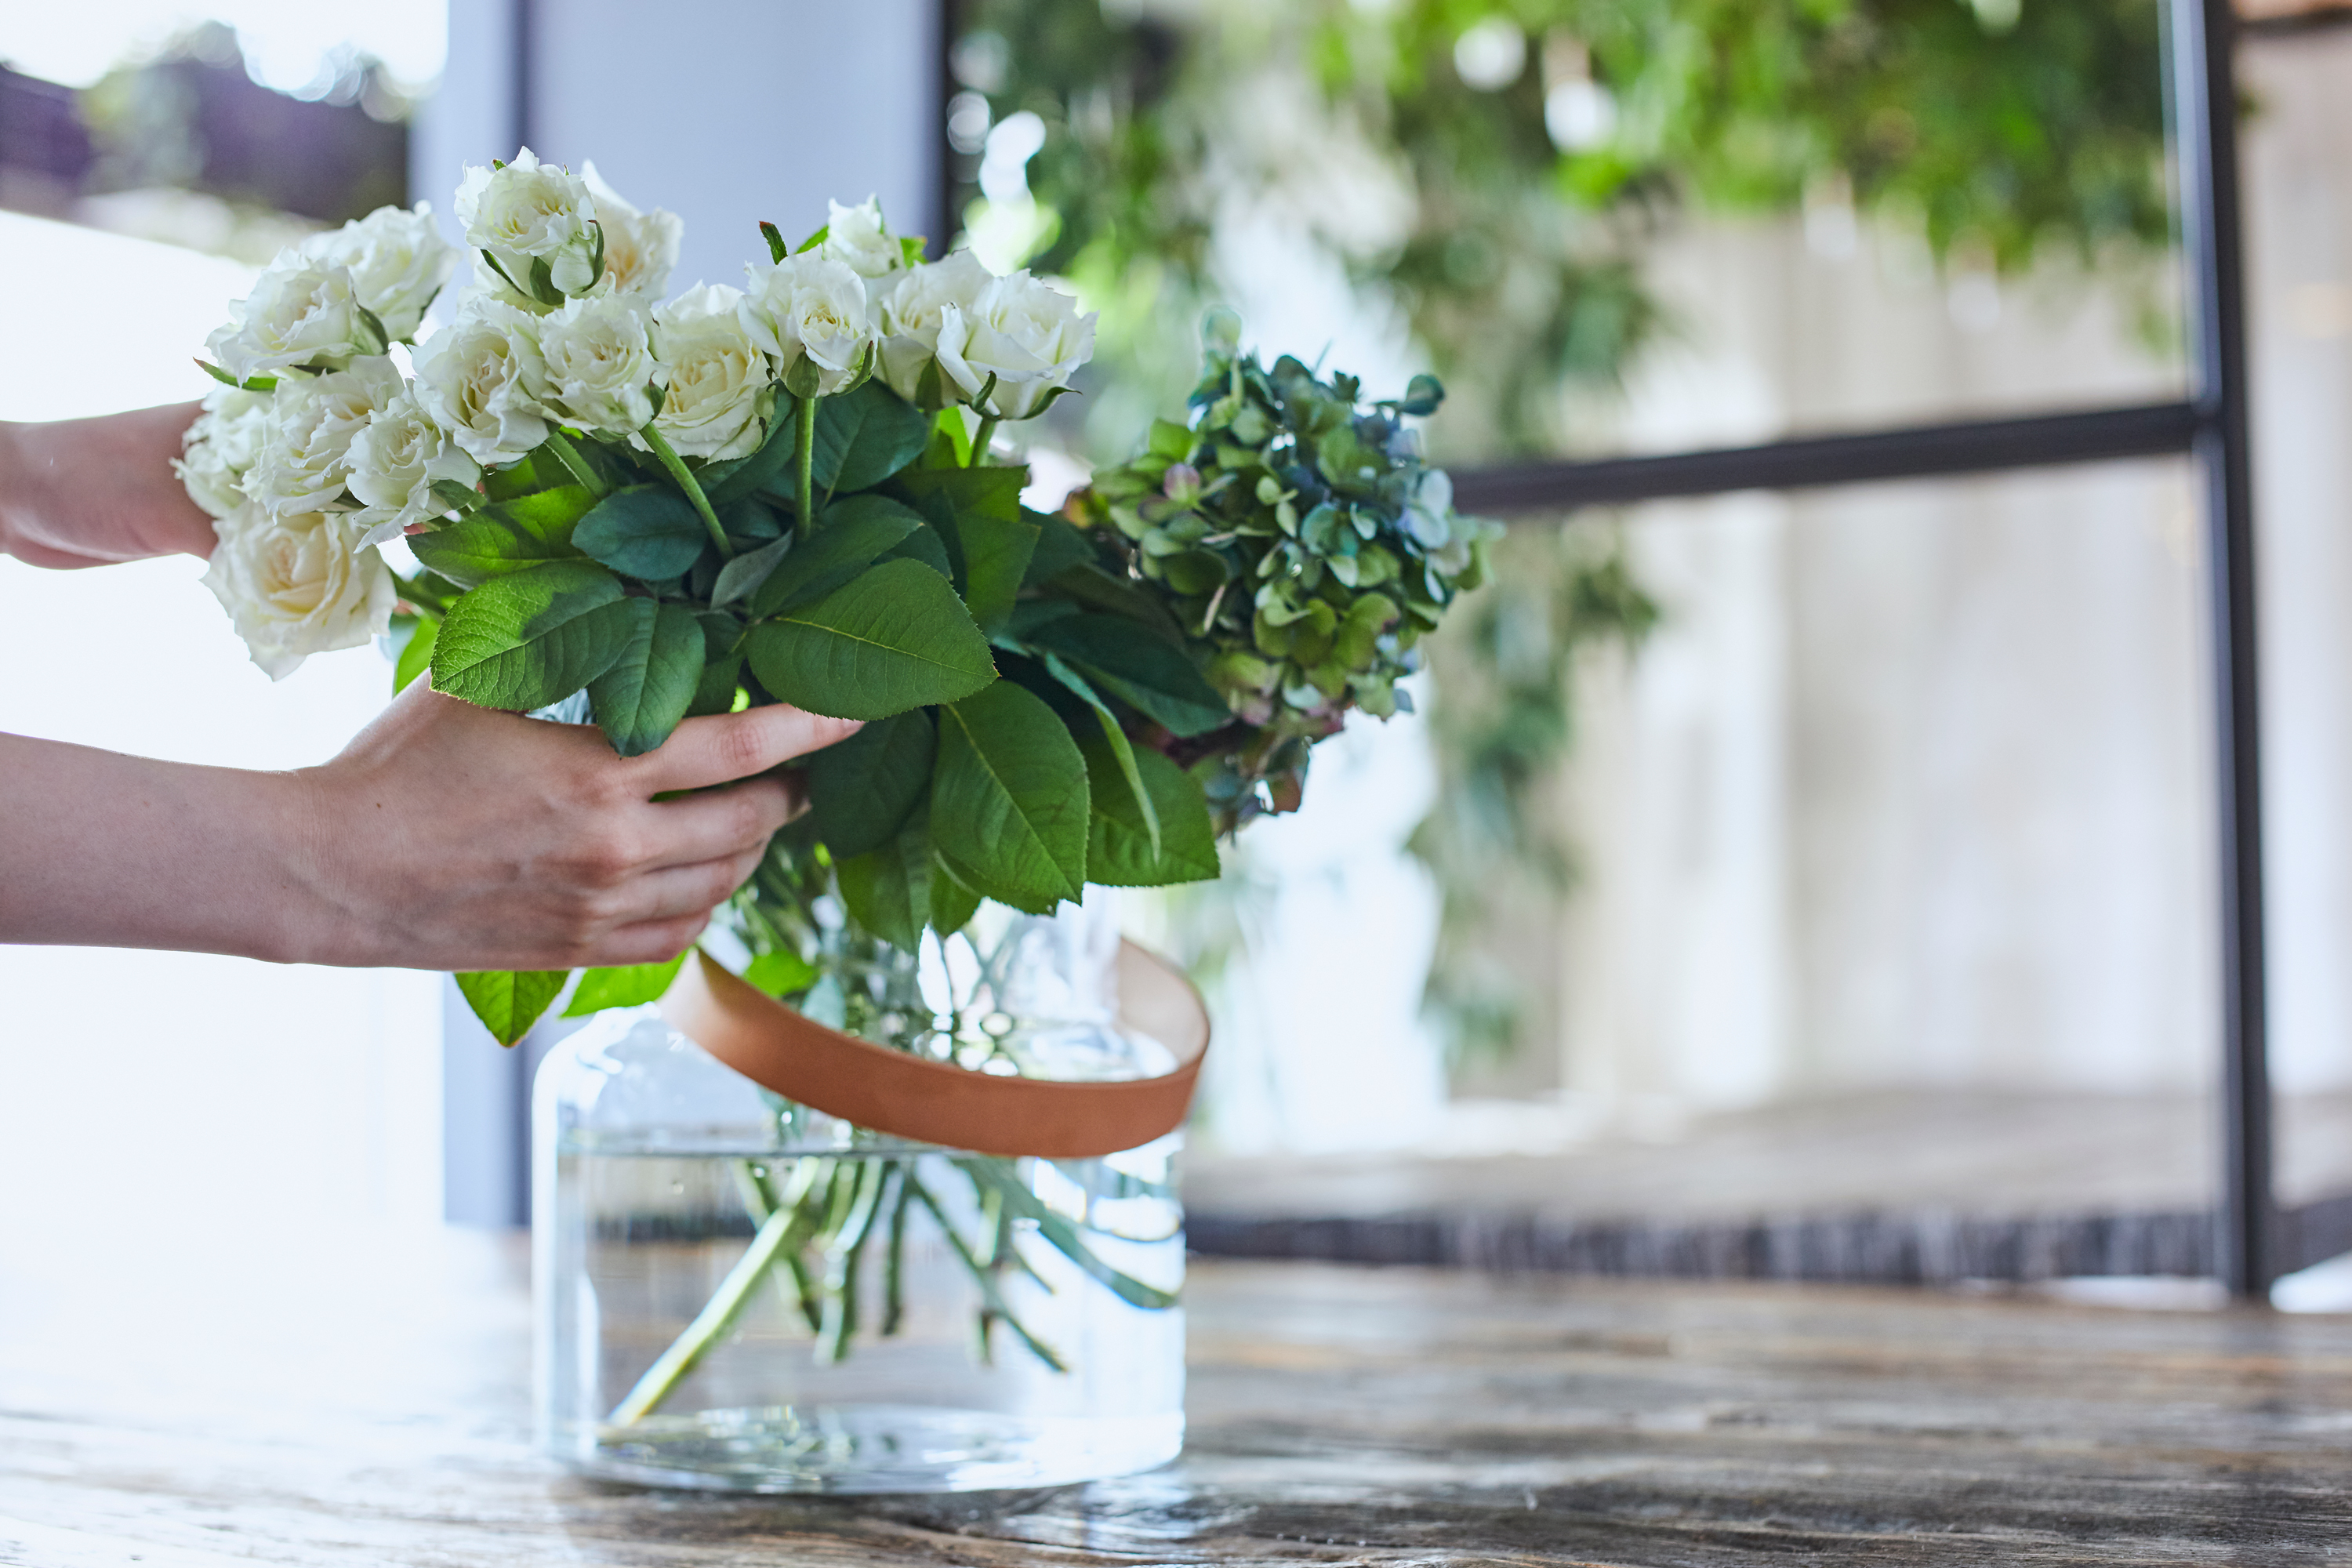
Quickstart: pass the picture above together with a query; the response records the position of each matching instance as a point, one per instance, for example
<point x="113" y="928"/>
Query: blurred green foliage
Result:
<point x="1492" y="173"/>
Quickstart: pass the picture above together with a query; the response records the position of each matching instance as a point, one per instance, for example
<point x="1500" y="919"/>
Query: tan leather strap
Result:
<point x="933" y="1102"/>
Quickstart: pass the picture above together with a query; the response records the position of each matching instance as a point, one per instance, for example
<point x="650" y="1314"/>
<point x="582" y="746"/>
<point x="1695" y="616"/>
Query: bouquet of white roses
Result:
<point x="785" y="492"/>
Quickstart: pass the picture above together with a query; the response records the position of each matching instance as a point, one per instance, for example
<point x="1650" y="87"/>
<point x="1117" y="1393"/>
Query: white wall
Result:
<point x="726" y="112"/>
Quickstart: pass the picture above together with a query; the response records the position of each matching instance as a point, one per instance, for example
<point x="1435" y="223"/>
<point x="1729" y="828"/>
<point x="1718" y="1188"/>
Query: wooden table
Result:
<point x="194" y="1402"/>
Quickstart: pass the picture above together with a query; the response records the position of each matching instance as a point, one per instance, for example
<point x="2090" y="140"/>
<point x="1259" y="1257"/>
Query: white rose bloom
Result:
<point x="299" y="584"/>
<point x="719" y="387"/>
<point x="599" y="354"/>
<point x="393" y="463"/>
<point x="301" y="312"/>
<point x="1027" y="335"/>
<point x="640" y="249"/>
<point x="483" y="380"/>
<point x="304" y="463"/>
<point x="222" y="445"/>
<point x="858" y="239"/>
<point x="914" y="305"/>
<point x="808" y="306"/>
<point x="397" y="260"/>
<point x="530" y="211"/>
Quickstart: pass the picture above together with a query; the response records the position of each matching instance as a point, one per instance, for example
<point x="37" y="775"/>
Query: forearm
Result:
<point x="102" y="850"/>
<point x="90" y="492"/>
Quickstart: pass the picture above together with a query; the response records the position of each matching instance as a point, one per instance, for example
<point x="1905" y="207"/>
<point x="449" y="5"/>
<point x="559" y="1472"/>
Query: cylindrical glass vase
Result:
<point x="738" y="1292"/>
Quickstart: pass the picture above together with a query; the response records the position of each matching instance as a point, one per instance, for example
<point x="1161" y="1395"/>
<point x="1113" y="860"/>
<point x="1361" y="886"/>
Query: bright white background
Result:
<point x="180" y="1090"/>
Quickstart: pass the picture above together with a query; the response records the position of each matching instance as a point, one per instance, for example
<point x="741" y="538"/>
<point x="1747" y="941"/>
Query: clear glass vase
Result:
<point x="735" y="1291"/>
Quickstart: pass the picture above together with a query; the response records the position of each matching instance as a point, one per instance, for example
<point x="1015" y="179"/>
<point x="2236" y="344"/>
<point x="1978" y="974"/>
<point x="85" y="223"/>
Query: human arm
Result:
<point x="92" y="492"/>
<point x="444" y="836"/>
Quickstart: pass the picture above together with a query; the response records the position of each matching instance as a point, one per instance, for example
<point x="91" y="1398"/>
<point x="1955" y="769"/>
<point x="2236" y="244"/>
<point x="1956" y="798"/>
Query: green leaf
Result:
<point x="1122" y="748"/>
<point x="777" y="250"/>
<point x="508" y="1002"/>
<point x="953" y="903"/>
<point x="632" y="985"/>
<point x="995" y="556"/>
<point x="416" y="655"/>
<point x="1121" y="848"/>
<point x="519" y="477"/>
<point x="536" y="636"/>
<point x="1060" y="546"/>
<point x="641" y="698"/>
<point x="1089" y="584"/>
<point x="548" y="515"/>
<point x="865" y="436"/>
<point x="741" y="577"/>
<point x="988" y="492"/>
<point x="1138" y="668"/>
<point x="473" y="550"/>
<point x="647" y="531"/>
<point x="723" y="484"/>
<point x="893" y="638"/>
<point x="780" y="973"/>
<point x="852" y="533"/>
<point x="251" y="384"/>
<point x="862" y="790"/>
<point x="887" y="889"/>
<point x="924" y="545"/>
<point x="1008" y="800"/>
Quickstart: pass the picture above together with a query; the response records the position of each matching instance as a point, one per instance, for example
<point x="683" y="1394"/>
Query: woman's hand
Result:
<point x="445" y="837"/>
<point x="92" y="492"/>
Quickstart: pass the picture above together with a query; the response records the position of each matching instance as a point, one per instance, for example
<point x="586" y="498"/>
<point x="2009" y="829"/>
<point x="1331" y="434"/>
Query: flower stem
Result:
<point x="685" y="477"/>
<point x="426" y="604"/>
<point x="569" y="455"/>
<point x="805" y="466"/>
<point x="710" y="1325"/>
<point x="981" y="438"/>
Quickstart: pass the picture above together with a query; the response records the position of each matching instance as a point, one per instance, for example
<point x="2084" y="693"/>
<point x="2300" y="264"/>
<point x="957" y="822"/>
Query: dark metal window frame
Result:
<point x="2210" y="426"/>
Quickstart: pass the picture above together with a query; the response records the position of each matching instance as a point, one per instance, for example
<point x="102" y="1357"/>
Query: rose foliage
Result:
<point x="784" y="493"/>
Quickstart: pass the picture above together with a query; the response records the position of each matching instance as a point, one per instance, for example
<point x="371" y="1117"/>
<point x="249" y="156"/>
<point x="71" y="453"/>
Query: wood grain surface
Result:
<point x="197" y="1404"/>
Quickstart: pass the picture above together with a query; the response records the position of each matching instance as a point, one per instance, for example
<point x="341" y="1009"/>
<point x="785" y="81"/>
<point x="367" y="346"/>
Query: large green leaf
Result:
<point x="854" y="532"/>
<point x="952" y="902"/>
<point x="1009" y="801"/>
<point x="893" y="638"/>
<point x="865" y="436"/>
<point x="1121" y="748"/>
<point x="995" y="558"/>
<point x="887" y="889"/>
<point x="741" y="577"/>
<point x="473" y="550"/>
<point x="1132" y="664"/>
<point x="641" y="698"/>
<point x="648" y="531"/>
<point x="631" y="985"/>
<point x="862" y="790"/>
<point x="1120" y="852"/>
<point x="550" y="514"/>
<point x="508" y="1002"/>
<point x="982" y="492"/>
<point x="536" y="636"/>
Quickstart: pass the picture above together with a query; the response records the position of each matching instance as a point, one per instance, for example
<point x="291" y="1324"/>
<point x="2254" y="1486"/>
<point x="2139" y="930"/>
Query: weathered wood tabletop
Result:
<point x="367" y="1405"/>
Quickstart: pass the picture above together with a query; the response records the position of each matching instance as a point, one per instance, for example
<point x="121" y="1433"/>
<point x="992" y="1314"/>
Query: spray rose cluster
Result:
<point x="342" y="424"/>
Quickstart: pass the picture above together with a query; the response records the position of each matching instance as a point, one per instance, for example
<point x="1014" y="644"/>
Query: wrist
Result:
<point x="317" y="917"/>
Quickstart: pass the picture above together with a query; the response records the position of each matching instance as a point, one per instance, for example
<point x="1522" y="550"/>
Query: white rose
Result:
<point x="719" y="387"/>
<point x="808" y="307"/>
<point x="599" y="354"/>
<point x="397" y="260"/>
<point x="640" y="249"/>
<point x="301" y="312"/>
<point x="299" y="584"/>
<point x="305" y="457"/>
<point x="1031" y="338"/>
<point x="529" y="211"/>
<point x="482" y="380"/>
<point x="221" y="447"/>
<point x="393" y="464"/>
<point x="913" y="306"/>
<point x="858" y="238"/>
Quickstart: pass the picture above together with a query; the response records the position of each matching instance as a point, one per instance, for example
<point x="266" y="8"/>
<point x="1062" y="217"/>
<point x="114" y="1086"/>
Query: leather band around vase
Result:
<point x="934" y="1102"/>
